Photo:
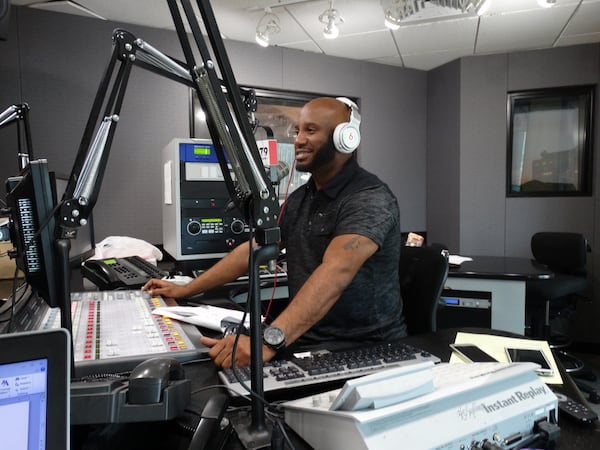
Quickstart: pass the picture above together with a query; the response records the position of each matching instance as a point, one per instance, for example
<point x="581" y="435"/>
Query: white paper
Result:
<point x="457" y="260"/>
<point x="206" y="316"/>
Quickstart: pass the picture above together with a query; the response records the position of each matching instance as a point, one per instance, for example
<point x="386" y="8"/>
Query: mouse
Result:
<point x="149" y="378"/>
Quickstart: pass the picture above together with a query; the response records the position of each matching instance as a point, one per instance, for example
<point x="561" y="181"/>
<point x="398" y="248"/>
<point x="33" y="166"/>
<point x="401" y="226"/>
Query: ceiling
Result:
<point x="422" y="43"/>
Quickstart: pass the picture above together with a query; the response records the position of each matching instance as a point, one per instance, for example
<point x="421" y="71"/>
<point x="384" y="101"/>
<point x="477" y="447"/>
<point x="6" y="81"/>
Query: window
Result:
<point x="549" y="142"/>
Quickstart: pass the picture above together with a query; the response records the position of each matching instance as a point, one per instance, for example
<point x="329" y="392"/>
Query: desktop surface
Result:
<point x="205" y="374"/>
<point x="500" y="267"/>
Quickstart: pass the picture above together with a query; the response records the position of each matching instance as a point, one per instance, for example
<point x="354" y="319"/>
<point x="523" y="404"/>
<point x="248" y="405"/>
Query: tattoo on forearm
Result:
<point x="351" y="244"/>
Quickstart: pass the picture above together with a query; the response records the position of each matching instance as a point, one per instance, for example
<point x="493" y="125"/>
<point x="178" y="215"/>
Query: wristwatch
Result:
<point x="274" y="338"/>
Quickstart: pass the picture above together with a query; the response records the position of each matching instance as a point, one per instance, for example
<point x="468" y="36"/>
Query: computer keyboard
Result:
<point x="325" y="367"/>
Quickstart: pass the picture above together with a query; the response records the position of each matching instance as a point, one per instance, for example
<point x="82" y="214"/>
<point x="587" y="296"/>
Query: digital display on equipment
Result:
<point x="212" y="220"/>
<point x="205" y="151"/>
<point x="450" y="301"/>
<point x="109" y="262"/>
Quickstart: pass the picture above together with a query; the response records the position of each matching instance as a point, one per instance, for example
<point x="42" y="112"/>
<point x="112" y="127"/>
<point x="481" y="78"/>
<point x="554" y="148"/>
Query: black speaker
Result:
<point x="4" y="17"/>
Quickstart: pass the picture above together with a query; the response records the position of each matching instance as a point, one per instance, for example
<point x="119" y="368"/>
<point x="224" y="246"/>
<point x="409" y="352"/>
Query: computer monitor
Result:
<point x="35" y="390"/>
<point x="84" y="245"/>
<point x="30" y="197"/>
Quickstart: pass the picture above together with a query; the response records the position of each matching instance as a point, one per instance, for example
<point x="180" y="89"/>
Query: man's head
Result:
<point x="314" y="146"/>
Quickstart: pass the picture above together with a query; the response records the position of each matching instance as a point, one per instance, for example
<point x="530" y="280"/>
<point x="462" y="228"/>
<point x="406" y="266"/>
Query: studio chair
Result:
<point x="423" y="272"/>
<point x="565" y="255"/>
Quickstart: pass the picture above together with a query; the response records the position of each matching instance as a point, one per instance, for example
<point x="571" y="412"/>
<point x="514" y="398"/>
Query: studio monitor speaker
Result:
<point x="4" y="16"/>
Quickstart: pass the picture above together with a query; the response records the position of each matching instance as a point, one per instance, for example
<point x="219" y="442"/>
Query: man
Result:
<point x="341" y="232"/>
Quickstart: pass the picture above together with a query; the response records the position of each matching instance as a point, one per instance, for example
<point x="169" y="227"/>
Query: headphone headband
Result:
<point x="354" y="114"/>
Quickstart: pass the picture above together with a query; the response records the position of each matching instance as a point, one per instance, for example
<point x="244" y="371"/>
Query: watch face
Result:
<point x="274" y="336"/>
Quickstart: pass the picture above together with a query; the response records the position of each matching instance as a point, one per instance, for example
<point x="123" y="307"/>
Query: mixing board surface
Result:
<point x="113" y="331"/>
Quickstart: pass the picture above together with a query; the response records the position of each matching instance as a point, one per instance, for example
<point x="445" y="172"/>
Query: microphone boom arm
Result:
<point x="232" y="136"/>
<point x="19" y="113"/>
<point x="234" y="144"/>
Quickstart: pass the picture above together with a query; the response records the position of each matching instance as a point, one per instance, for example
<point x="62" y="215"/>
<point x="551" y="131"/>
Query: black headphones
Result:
<point x="346" y="135"/>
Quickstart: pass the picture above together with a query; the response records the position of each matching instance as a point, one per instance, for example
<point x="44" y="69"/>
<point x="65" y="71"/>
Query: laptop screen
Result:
<point x="23" y="401"/>
<point x="34" y="390"/>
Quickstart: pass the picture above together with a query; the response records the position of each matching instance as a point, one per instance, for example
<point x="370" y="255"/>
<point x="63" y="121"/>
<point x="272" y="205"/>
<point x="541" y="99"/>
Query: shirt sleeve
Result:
<point x="370" y="213"/>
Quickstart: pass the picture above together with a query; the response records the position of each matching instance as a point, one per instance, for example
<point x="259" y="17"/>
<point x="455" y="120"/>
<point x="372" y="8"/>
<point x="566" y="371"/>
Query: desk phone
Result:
<point x="121" y="273"/>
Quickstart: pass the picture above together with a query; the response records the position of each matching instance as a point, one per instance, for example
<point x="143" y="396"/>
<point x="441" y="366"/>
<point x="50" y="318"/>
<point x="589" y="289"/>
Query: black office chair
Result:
<point x="565" y="254"/>
<point x="423" y="272"/>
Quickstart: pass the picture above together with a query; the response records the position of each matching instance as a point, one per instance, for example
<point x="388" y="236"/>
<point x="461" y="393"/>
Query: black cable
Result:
<point x="14" y="300"/>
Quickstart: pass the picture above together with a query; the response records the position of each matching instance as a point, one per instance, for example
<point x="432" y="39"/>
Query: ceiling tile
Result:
<point x="437" y="36"/>
<point x="525" y="30"/>
<point x="360" y="46"/>
<point x="585" y="20"/>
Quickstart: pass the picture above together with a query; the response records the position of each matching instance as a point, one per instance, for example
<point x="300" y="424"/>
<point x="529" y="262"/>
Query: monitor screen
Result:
<point x="30" y="197"/>
<point x="35" y="390"/>
<point x="23" y="400"/>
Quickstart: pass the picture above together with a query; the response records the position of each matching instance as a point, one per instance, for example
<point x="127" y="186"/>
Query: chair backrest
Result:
<point x="560" y="251"/>
<point x="423" y="272"/>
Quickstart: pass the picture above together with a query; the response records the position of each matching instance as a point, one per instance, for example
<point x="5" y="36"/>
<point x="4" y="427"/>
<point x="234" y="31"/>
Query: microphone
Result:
<point x="279" y="172"/>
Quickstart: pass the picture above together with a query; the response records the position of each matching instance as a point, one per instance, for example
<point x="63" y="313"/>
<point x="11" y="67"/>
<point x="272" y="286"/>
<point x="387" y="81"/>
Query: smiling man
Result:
<point x="341" y="231"/>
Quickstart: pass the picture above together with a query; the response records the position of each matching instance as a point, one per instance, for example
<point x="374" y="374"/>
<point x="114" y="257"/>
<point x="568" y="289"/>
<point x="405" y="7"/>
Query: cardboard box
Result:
<point x="7" y="265"/>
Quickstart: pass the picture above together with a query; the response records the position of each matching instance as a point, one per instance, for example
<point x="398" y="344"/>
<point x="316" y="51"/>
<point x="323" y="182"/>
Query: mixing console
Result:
<point x="113" y="331"/>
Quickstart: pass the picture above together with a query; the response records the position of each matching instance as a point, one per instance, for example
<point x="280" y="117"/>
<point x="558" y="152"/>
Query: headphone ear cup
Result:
<point x="346" y="137"/>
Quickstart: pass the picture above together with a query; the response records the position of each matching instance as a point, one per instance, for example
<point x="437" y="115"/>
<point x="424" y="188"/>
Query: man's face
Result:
<point x="314" y="137"/>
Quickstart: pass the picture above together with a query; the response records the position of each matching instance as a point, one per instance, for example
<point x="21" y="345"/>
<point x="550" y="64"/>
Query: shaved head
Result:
<point x="332" y="111"/>
<point x="314" y="148"/>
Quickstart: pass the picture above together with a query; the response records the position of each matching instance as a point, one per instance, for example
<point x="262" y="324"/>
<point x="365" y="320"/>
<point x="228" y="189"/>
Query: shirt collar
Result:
<point x="333" y="188"/>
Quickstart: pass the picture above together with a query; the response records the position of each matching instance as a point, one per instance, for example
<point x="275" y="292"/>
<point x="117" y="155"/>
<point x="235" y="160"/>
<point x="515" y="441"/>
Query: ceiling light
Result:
<point x="396" y="11"/>
<point x="267" y="26"/>
<point x="546" y="3"/>
<point x="331" y="18"/>
<point x="482" y="7"/>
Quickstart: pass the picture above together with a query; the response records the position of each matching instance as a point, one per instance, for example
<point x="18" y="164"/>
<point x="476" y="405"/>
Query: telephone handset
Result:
<point x="150" y="378"/>
<point x="130" y="272"/>
<point x="155" y="390"/>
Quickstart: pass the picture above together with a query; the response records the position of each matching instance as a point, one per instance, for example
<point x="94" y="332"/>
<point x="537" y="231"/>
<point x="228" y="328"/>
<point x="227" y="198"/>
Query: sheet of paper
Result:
<point x="457" y="260"/>
<point x="207" y="316"/>
<point x="496" y="345"/>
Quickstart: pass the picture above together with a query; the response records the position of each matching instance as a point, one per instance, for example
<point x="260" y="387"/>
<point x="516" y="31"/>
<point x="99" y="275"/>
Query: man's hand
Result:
<point x="221" y="350"/>
<point x="165" y="288"/>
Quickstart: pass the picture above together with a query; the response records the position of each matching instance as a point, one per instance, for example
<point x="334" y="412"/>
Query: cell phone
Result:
<point x="472" y="353"/>
<point x="531" y="355"/>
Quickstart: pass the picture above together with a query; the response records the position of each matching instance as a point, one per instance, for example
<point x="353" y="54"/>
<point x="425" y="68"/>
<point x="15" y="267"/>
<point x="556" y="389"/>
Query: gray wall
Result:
<point x="59" y="60"/>
<point x="474" y="216"/>
<point x="443" y="155"/>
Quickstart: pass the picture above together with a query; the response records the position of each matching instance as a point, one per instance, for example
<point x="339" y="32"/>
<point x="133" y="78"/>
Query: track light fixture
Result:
<point x="546" y="3"/>
<point x="267" y="26"/>
<point x="331" y="18"/>
<point x="395" y="11"/>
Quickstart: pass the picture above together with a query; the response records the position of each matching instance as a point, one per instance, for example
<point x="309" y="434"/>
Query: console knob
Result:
<point x="237" y="226"/>
<point x="193" y="227"/>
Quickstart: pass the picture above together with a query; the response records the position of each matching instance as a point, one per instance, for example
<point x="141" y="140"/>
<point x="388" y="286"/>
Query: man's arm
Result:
<point x="229" y="268"/>
<point x="343" y="258"/>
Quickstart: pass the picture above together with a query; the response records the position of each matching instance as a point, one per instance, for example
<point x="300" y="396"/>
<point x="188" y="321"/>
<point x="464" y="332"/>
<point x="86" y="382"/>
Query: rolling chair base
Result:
<point x="571" y="363"/>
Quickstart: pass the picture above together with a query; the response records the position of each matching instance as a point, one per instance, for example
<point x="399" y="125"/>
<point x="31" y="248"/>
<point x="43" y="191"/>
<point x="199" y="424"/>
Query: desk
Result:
<point x="171" y="435"/>
<point x="503" y="279"/>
